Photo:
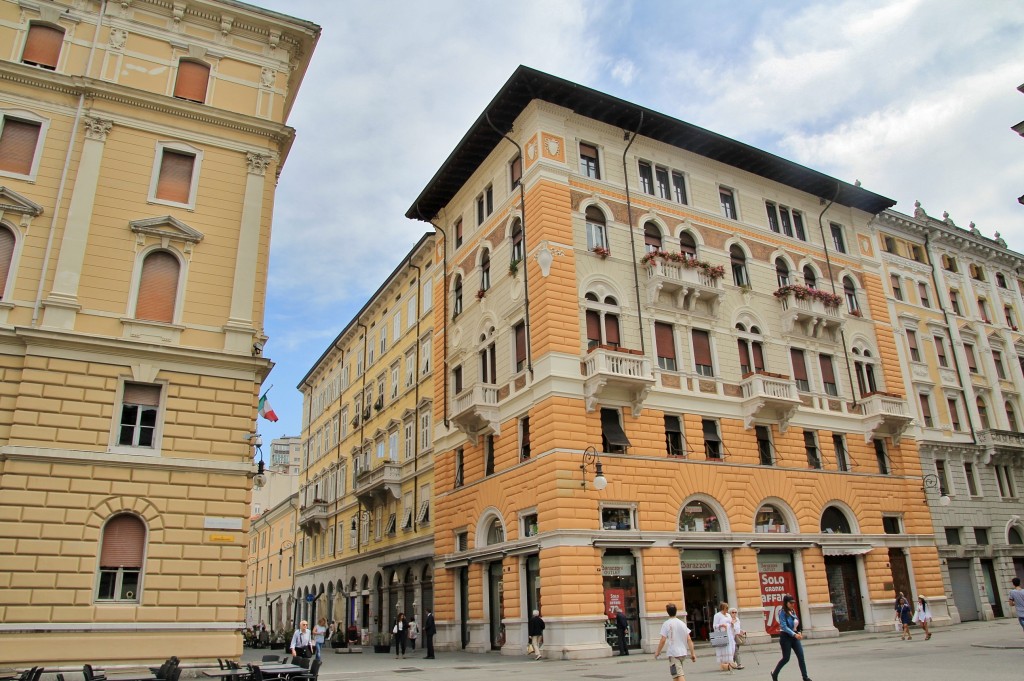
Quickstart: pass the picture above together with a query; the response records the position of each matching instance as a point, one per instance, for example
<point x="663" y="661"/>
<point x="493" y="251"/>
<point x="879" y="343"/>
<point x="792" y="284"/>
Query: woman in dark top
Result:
<point x="905" y="617"/>
<point x="789" y="638"/>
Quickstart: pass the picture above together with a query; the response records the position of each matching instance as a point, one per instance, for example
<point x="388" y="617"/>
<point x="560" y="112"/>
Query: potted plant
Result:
<point x="601" y="252"/>
<point x="338" y="640"/>
<point x="382" y="642"/>
<point x="481" y="293"/>
<point x="277" y="641"/>
<point x="513" y="267"/>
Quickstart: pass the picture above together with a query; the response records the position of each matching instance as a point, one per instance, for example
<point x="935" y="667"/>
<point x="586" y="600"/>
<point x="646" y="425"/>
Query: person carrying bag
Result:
<point x="302" y="641"/>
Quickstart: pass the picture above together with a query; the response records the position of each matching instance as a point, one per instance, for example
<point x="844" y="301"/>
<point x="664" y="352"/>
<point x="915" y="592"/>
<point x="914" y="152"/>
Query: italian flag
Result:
<point x="266" y="411"/>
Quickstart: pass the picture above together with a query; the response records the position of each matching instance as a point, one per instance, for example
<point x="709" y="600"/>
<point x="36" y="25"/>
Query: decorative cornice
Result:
<point x="167" y="227"/>
<point x="97" y="128"/>
<point x="13" y="202"/>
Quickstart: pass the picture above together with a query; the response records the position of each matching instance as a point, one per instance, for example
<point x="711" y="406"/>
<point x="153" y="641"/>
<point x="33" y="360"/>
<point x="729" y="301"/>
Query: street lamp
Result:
<point x="592" y="459"/>
<point x="931" y="482"/>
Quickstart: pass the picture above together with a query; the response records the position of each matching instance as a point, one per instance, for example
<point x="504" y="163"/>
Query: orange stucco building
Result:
<point x="665" y="372"/>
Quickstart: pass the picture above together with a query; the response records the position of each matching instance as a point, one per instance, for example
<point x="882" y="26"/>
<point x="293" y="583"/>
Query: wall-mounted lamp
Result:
<point x="544" y="258"/>
<point x="260" y="479"/>
<point x="592" y="459"/>
<point x="284" y="545"/>
<point x="931" y="482"/>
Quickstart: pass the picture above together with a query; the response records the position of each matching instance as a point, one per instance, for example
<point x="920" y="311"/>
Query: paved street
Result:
<point x="989" y="650"/>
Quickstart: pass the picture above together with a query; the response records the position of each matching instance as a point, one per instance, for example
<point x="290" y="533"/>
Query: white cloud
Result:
<point x="624" y="71"/>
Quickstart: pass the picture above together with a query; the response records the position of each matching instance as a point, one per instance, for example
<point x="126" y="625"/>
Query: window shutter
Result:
<point x="611" y="329"/>
<point x="827" y="373"/>
<point x="124" y="540"/>
<point x="175" y="181"/>
<point x="42" y="47"/>
<point x="588" y="150"/>
<point x="758" y="356"/>
<point x="192" y="80"/>
<point x="663" y="339"/>
<point x="701" y="347"/>
<point x="912" y="339"/>
<point x="158" y="288"/>
<point x="926" y="407"/>
<point x="593" y="326"/>
<point x="18" y="145"/>
<point x="517" y="170"/>
<point x="710" y="428"/>
<point x="142" y="394"/>
<point x="972" y="362"/>
<point x="520" y="343"/>
<point x="799" y="365"/>
<point x="6" y="253"/>
<point x="744" y="355"/>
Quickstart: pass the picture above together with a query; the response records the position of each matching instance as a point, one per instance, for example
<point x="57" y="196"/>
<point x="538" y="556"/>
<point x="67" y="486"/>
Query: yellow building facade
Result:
<point x="139" y="145"/>
<point x="648" y="342"/>
<point x="269" y="600"/>
<point x="366" y="528"/>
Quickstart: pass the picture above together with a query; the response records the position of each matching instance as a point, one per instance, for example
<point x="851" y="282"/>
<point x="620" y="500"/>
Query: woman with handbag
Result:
<point x="923" y="616"/>
<point x="722" y="642"/>
<point x="400" y="630"/>
<point x="739" y="637"/>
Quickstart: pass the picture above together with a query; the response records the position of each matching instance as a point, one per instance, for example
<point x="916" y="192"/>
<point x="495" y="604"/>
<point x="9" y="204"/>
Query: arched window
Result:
<point x="597" y="231"/>
<point x="158" y="287"/>
<point x="834" y="521"/>
<point x="850" y="291"/>
<point x="865" y="371"/>
<point x="192" y="80"/>
<point x="1014" y="536"/>
<point x="652" y="237"/>
<point x="751" y="350"/>
<point x="42" y="46"/>
<point x="810" y="279"/>
<point x="781" y="272"/>
<point x="739" y="266"/>
<point x="517" y="241"/>
<point x="1011" y="417"/>
<point x="698" y="516"/>
<point x="770" y="519"/>
<point x="602" y="319"/>
<point x="688" y="246"/>
<point x="457" y="295"/>
<point x="6" y="255"/>
<point x="121" y="556"/>
<point x="983" y="414"/>
<point x="495" y="532"/>
<point x="485" y="270"/>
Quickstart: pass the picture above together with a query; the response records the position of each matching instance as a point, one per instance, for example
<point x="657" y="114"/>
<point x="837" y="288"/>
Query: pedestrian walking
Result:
<point x="319" y="635"/>
<point x="400" y="630"/>
<point x="535" y="629"/>
<point x="414" y="631"/>
<point x="302" y="641"/>
<point x="904" y="617"/>
<point x="721" y="623"/>
<point x="675" y="640"/>
<point x="1017" y="599"/>
<point x="622" y="627"/>
<point x="738" y="637"/>
<point x="429" y="629"/>
<point x="923" y="616"/>
<point x="789" y="638"/>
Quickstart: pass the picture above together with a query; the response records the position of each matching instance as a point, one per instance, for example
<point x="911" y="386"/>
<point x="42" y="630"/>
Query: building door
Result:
<point x="989" y="570"/>
<point x="495" y="597"/>
<point x="961" y="580"/>
<point x="844" y="592"/>
<point x="618" y="571"/>
<point x="900" y="574"/>
<point x="703" y="589"/>
<point x="464" y="605"/>
<point x="1018" y="567"/>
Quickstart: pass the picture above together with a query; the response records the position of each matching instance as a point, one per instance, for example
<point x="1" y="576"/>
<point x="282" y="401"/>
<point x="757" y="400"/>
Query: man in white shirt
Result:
<point x="675" y="639"/>
<point x="1017" y="599"/>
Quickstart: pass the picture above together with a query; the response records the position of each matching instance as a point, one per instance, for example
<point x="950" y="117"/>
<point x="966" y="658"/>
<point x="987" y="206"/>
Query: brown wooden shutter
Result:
<point x="175" y="181"/>
<point x="193" y="77"/>
<point x="701" y="347"/>
<point x="912" y="339"/>
<point x="611" y="329"/>
<point x="18" y="142"/>
<point x="926" y="408"/>
<point x="972" y="362"/>
<point x="652" y="237"/>
<point x="520" y="343"/>
<point x="593" y="327"/>
<point x="158" y="288"/>
<point x="588" y="150"/>
<point x="799" y="365"/>
<point x="42" y="47"/>
<point x="828" y="375"/>
<point x="664" y="340"/>
<point x="517" y="170"/>
<point x="141" y="394"/>
<point x="6" y="253"/>
<point x="758" y="356"/>
<point x="124" y="542"/>
<point x="744" y="354"/>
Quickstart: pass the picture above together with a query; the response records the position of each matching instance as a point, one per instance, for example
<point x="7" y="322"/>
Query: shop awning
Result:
<point x="845" y="549"/>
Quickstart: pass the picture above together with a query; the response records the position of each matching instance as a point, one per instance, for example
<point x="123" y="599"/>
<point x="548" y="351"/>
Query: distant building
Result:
<point x="271" y="568"/>
<point x="282" y="471"/>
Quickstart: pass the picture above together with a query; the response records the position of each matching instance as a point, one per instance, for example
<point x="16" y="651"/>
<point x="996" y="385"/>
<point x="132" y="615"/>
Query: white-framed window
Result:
<point x="176" y="170"/>
<point x="727" y="200"/>
<point x="192" y="80"/>
<point x="785" y="220"/>
<point x="137" y="425"/>
<point x="159" y="287"/>
<point x="43" y="45"/>
<point x="484" y="205"/>
<point x="411" y="314"/>
<point x="618" y="517"/>
<point x="407" y="511"/>
<point x="428" y="294"/>
<point x="590" y="161"/>
<point x="122" y="558"/>
<point x="396" y="380"/>
<point x="423" y="514"/>
<point x="425" y="350"/>
<point x="383" y="339"/>
<point x="380" y="449"/>
<point x="396" y="326"/>
<point x="838" y="240"/>
<point x="21" y="143"/>
<point x="8" y="249"/>
<point x="597" y="230"/>
<point x="410" y="369"/>
<point x="409" y="432"/>
<point x="393" y="446"/>
<point x="515" y="171"/>
<point x="425" y="442"/>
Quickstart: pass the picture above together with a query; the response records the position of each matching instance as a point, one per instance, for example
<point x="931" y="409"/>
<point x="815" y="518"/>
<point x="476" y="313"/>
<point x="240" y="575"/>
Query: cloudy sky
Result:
<point x="915" y="98"/>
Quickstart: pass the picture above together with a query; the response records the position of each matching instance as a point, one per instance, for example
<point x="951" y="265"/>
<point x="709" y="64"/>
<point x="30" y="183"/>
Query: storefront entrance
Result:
<point x="988" y="569"/>
<point x="778" y="578"/>
<point x="703" y="589"/>
<point x="844" y="592"/>
<point x="496" y="602"/>
<point x="618" y="571"/>
<point x="962" y="582"/>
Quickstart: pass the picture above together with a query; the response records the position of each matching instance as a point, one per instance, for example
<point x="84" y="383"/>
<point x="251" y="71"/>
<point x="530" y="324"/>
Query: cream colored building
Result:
<point x="139" y="146"/>
<point x="271" y="567"/>
<point x="282" y="473"/>
<point x="365" y="544"/>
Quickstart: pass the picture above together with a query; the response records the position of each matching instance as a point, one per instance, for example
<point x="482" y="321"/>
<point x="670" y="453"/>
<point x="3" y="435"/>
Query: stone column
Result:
<point x="238" y="332"/>
<point x="61" y="305"/>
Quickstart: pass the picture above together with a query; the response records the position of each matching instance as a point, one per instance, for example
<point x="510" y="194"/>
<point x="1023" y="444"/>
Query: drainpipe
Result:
<point x="362" y="428"/>
<point x="632" y="237"/>
<point x="526" y="278"/>
<point x="415" y="418"/>
<point x="444" y="322"/>
<point x="832" y="281"/>
<point x="58" y="202"/>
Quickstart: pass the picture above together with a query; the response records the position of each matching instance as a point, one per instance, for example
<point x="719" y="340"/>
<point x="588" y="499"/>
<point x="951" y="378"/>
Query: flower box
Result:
<point x="712" y="271"/>
<point x="808" y="293"/>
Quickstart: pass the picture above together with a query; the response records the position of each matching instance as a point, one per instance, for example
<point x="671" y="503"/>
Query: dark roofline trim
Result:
<point x="527" y="84"/>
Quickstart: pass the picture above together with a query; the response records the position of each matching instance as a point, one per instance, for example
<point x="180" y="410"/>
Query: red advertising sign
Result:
<point x="614" y="598"/>
<point x="775" y="585"/>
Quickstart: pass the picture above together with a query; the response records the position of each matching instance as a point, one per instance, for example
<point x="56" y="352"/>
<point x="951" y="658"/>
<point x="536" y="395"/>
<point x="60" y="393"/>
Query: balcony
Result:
<point x="885" y="414"/>
<point x="475" y="411"/>
<point x="313" y="518"/>
<point x="1002" y="446"/>
<point x="373" y="486"/>
<point x="692" y="289"/>
<point x="612" y="374"/>
<point x="769" y="397"/>
<point x="810" y="315"/>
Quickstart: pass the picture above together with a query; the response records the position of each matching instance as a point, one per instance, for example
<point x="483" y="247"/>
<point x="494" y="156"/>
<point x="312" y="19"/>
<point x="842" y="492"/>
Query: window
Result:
<point x="834" y="521"/>
<point x="515" y="171"/>
<point x="458" y="233"/>
<point x="997" y="359"/>
<point x="19" y="140"/>
<point x="922" y="292"/>
<point x="42" y="46"/>
<point x="727" y="199"/>
<point x="484" y="205"/>
<point x="1011" y="321"/>
<point x="666" y="346"/>
<point x="590" y="165"/>
<point x="850" y="293"/>
<point x="828" y="375"/>
<point x="192" y="81"/>
<point x="140" y="404"/>
<point x="517" y="241"/>
<point x="519" y="332"/>
<point x="981" y="536"/>
<point x="796" y="356"/>
<point x="892" y="524"/>
<point x="917" y="253"/>
<point x="617" y="518"/>
<point x="977" y="272"/>
<point x="983" y="311"/>
<point x="837" y="237"/>
<point x="698" y="516"/>
<point x="972" y="361"/>
<point x="773" y="217"/>
<point x="889" y="245"/>
<point x="751" y="351"/>
<point x="739" y="266"/>
<point x="915" y="352"/>
<point x="1011" y="416"/>
<point x="881" y="457"/>
<point x="423" y="514"/>
<point x="764" y="445"/>
<point x="602" y="322"/>
<point x="983" y="414"/>
<point x="865" y="372"/>
<point x="425" y="440"/>
<point x="457" y="296"/>
<point x="461" y="541"/>
<point x="897" y="288"/>
<point x="842" y="457"/>
<point x="530" y="527"/>
<point x="489" y="455"/>
<point x="926" y="409"/>
<point x="524" y="438"/>
<point x="158" y="287"/>
<point x="949" y="263"/>
<point x="457" y="380"/>
<point x="175" y="177"/>
<point x="613" y="437"/>
<point x="785" y="220"/>
<point x="485" y="270"/>
<point x="940" y="351"/>
<point x="702" y="363"/>
<point x="940" y="473"/>
<point x="459" y="467"/>
<point x="674" y="436"/>
<point x="662" y="182"/>
<point x="646" y="178"/>
<point x="811" y="448"/>
<point x="712" y="439"/>
<point x="688" y="246"/>
<point x="954" y="302"/>
<point x="810" y="278"/>
<point x="488" y="365"/>
<point x="1000" y="280"/>
<point x="972" y="481"/>
<point x="770" y="519"/>
<point x="954" y="413"/>
<point x="652" y="238"/>
<point x="781" y="272"/>
<point x="679" y="187"/>
<point x="953" y="536"/>
<point x="122" y="550"/>
<point x="597" y="236"/>
<point x="1004" y="481"/>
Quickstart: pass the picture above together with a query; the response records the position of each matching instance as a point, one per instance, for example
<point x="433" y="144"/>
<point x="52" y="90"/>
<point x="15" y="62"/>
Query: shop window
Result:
<point x="698" y="516"/>
<point x="770" y="519"/>
<point x="834" y="521"/>
<point x="617" y="518"/>
<point x="530" y="525"/>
